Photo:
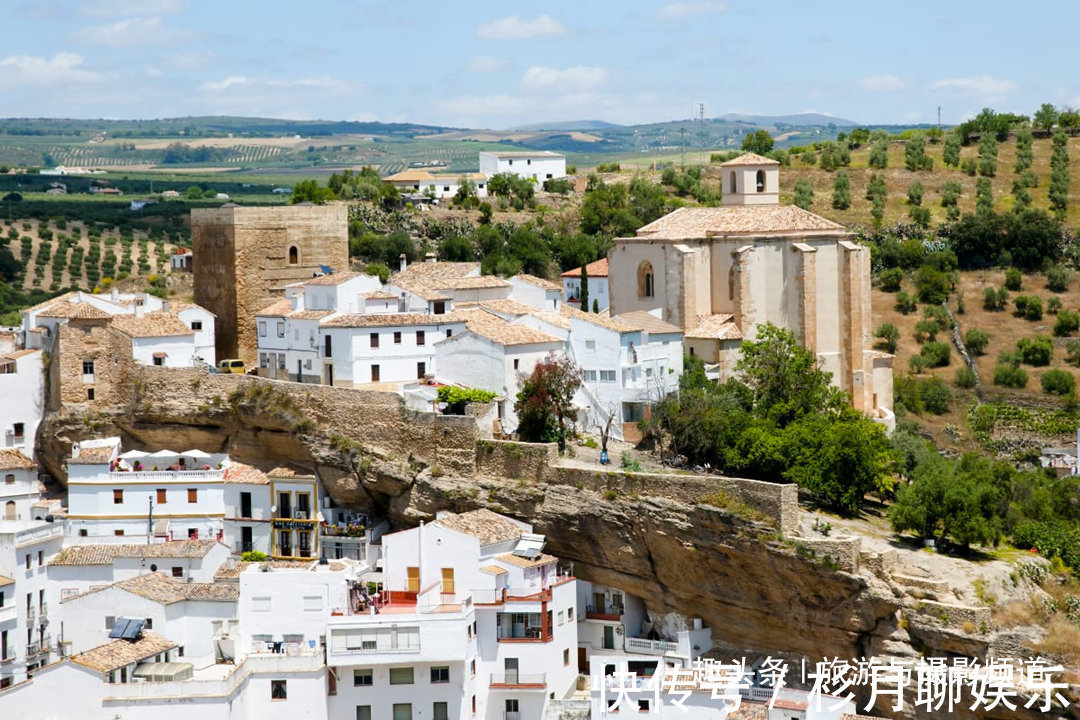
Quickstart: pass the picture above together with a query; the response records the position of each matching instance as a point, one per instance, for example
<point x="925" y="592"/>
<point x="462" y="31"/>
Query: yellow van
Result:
<point x="231" y="366"/>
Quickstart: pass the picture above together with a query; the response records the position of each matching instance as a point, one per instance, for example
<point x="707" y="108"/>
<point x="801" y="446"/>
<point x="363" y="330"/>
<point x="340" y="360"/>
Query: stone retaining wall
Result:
<point x="955" y="615"/>
<point x="844" y="551"/>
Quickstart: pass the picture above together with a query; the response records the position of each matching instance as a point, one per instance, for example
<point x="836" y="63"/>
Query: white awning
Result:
<point x="164" y="454"/>
<point x="195" y="454"/>
<point x="164" y="671"/>
<point x="133" y="455"/>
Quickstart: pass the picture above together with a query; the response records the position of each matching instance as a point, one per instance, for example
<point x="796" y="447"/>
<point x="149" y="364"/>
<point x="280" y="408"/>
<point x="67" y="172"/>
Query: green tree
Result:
<point x="1057" y="279"/>
<point x="584" y="289"/>
<point x="950" y="500"/>
<point x="804" y="194"/>
<point x="1045" y="117"/>
<point x="310" y="191"/>
<point x="1059" y="175"/>
<point x="193" y="192"/>
<point x="1037" y="351"/>
<point x="915" y="157"/>
<point x="976" y="341"/>
<point x="915" y="194"/>
<point x="879" y="154"/>
<point x="984" y="196"/>
<point x="1014" y="279"/>
<point x="1024" y="152"/>
<point x="950" y="151"/>
<point x="841" y="199"/>
<point x="456" y="249"/>
<point x="987" y="155"/>
<point x="1021" y="196"/>
<point x="759" y="141"/>
<point x="1067" y="323"/>
<point x="889" y="335"/>
<point x="890" y="278"/>
<point x="1058" y="382"/>
<point x="545" y="402"/>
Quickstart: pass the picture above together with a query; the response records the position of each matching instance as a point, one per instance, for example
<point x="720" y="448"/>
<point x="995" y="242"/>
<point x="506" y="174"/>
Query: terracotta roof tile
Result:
<point x="240" y="474"/>
<point x="75" y="311"/>
<point x="715" y="327"/>
<point x="409" y="176"/>
<point x="508" y="335"/>
<point x="106" y="554"/>
<point x="480" y="282"/>
<point x="121" y="653"/>
<point x="541" y="559"/>
<point x="486" y="526"/>
<point x="12" y="459"/>
<point x="363" y="320"/>
<point x="598" y="268"/>
<point x="603" y="321"/>
<point x="644" y="320"/>
<point x="156" y="324"/>
<point x="502" y="307"/>
<point x="310" y="314"/>
<point x="164" y="590"/>
<point x="494" y="570"/>
<point x="279" y="308"/>
<point x="699" y="223"/>
<point x="335" y="278"/>
<point x="537" y="282"/>
<point x="4" y="581"/>
<point x="16" y="354"/>
<point x="749" y="159"/>
<point x="93" y="455"/>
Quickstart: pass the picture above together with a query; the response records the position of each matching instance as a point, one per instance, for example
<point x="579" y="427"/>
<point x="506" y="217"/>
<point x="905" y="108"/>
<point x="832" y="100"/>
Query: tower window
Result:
<point x="733" y="182"/>
<point x="761" y="181"/>
<point x="645" y="280"/>
<point x="294" y="255"/>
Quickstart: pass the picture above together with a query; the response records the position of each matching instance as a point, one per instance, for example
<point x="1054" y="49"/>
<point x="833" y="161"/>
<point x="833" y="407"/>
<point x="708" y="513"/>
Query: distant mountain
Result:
<point x="566" y="126"/>
<point x="798" y="119"/>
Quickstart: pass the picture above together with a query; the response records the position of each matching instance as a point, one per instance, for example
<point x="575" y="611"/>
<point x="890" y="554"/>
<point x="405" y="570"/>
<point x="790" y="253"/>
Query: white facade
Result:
<point x="22" y="386"/>
<point x="536" y="292"/>
<point x="26" y="631"/>
<point x="597" y="272"/>
<point x="19" y="485"/>
<point x="538" y="165"/>
<point x="201" y="322"/>
<point x="375" y="348"/>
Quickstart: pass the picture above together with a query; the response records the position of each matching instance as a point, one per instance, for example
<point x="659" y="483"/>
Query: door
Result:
<point x="598" y="602"/>
<point x="245" y="540"/>
<point x="299" y="371"/>
<point x="609" y="637"/>
<point x="284" y="506"/>
<point x="448" y="581"/>
<point x="9" y="510"/>
<point x="412" y="579"/>
<point x="510" y="666"/>
<point x="245" y="504"/>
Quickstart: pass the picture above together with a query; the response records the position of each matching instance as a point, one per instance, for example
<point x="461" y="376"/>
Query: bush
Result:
<point x="890" y="279"/>
<point x="917" y="364"/>
<point x="1010" y="376"/>
<point x="976" y="341"/>
<point x="1057" y="279"/>
<point x="932" y="286"/>
<point x="1067" y="323"/>
<point x="889" y="336"/>
<point x="965" y="377"/>
<point x="1058" y="382"/>
<point x="1053" y="305"/>
<point x="1037" y="351"/>
<point x="921" y="395"/>
<point x="629" y="463"/>
<point x="936" y="353"/>
<point x="905" y="304"/>
<point x="1028" y="307"/>
<point x="1072" y="352"/>
<point x="995" y="299"/>
<point x="253" y="556"/>
<point x="1013" y="279"/>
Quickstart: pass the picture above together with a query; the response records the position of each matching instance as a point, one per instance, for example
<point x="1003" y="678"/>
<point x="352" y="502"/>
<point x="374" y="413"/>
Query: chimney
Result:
<point x="139" y="311"/>
<point x="164" y="306"/>
<point x="430" y="257"/>
<point x="115" y="294"/>
<point x="403" y="262"/>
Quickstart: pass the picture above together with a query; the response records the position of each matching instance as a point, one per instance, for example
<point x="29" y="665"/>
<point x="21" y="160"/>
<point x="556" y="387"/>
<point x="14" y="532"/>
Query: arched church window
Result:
<point x="645" y="279"/>
<point x="294" y="255"/>
<point x="761" y="181"/>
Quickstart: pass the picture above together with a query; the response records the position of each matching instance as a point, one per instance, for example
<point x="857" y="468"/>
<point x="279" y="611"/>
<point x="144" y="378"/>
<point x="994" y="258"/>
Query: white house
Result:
<point x="26" y="637"/>
<point x="597" y="272"/>
<point x="159" y="339"/>
<point x="180" y="260"/>
<point x="537" y="292"/>
<point x="538" y="165"/>
<point x="490" y="356"/>
<point x="437" y="185"/>
<point x="19" y="486"/>
<point x="201" y="321"/>
<point x="22" y="385"/>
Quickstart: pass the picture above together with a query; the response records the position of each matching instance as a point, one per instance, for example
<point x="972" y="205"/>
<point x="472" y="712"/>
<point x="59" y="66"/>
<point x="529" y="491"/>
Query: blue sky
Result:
<point x="498" y="64"/>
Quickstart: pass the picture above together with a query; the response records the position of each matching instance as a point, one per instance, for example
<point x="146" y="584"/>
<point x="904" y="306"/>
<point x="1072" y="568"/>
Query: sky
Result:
<point x="499" y="65"/>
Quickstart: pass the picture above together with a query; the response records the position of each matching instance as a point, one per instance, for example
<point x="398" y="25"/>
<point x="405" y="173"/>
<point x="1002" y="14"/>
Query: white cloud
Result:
<point x="132" y="31"/>
<point x="484" y="63"/>
<point x="513" y="28"/>
<point x="983" y="85"/>
<point x="112" y="8"/>
<point x="222" y="85"/>
<point x="568" y="80"/>
<point x="62" y="69"/>
<point x="685" y="10"/>
<point x="882" y="83"/>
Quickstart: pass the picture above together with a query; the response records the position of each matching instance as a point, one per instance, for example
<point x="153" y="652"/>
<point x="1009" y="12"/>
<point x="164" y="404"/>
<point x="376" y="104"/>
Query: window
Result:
<point x="760" y="181"/>
<point x="421" y="370"/>
<point x="440" y="711"/>
<point x="449" y="332"/>
<point x="159" y="360"/>
<point x="9" y="479"/>
<point x="363" y="678"/>
<point x="440" y="674"/>
<point x="41" y="561"/>
<point x="90" y="393"/>
<point x="363" y="712"/>
<point x="193" y="495"/>
<point x="18" y="429"/>
<point x="374" y="373"/>
<point x="562" y="617"/>
<point x="281" y="329"/>
<point x="397" y="338"/>
<point x="517" y="362"/>
<point x="83" y="532"/>
<point x="245" y="504"/>
<point x="439" y="307"/>
<point x="263" y="360"/>
<point x="261" y="604"/>
<point x="110" y="620"/>
<point x="512" y="707"/>
<point x="374" y="340"/>
<point x="566" y="656"/>
<point x="607" y="376"/>
<point x="472" y="668"/>
<point x="312" y="602"/>
<point x="27" y="560"/>
<point x="645" y="279"/>
<point x="401" y="676"/>
<point x="118" y="533"/>
<point x="277" y="690"/>
<point x="732" y="181"/>
<point x="446" y="188"/>
<point x="419" y="337"/>
<point x="590" y="376"/>
<point x="731" y="283"/>
<point x="262" y="328"/>
<point x="570" y="614"/>
<point x="177" y="571"/>
<point x="87" y="367"/>
<point x="327" y="347"/>
<point x="294" y="255"/>
<point x="402" y="711"/>
<point x="590" y="346"/>
<point x="196" y="325"/>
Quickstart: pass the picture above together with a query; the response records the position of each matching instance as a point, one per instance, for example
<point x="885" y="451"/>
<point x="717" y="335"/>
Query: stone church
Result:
<point x="720" y="272"/>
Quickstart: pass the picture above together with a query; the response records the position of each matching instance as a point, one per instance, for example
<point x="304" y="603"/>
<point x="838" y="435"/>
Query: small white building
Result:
<point x="437" y="185"/>
<point x="19" y="485"/>
<point x="161" y="339"/>
<point x="536" y="292"/>
<point x="26" y="636"/>
<point x="22" y="386"/>
<point x="201" y="321"/>
<point x="538" y="165"/>
<point x="597" y="272"/>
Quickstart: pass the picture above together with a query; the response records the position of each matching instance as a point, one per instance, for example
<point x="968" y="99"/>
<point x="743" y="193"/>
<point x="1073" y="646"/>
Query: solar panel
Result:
<point x="326" y="269"/>
<point x="118" y="628"/>
<point x="133" y="630"/>
<point x="527" y="553"/>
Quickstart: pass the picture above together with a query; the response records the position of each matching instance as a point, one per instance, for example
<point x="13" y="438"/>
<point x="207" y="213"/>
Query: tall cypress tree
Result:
<point x="584" y="289"/>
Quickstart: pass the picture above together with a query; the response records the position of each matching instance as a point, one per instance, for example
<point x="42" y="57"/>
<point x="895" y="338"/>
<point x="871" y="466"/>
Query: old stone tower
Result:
<point x="245" y="256"/>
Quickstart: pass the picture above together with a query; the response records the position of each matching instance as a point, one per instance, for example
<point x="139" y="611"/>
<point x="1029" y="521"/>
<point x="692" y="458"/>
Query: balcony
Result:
<point x="532" y="629"/>
<point x="31" y="616"/>
<point x="609" y="613"/>
<point x="32" y="650"/>
<point x="7" y="614"/>
<point x="650" y="647"/>
<point x="46" y="643"/>
<point x="44" y="612"/>
<point x="511" y="715"/>
<point x="518" y="681"/>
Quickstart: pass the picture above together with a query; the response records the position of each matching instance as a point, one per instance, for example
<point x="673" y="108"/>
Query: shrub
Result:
<point x="1058" y="382"/>
<point x="924" y="395"/>
<point x="905" y="304"/>
<point x="917" y="364"/>
<point x="995" y="299"/>
<point x="1053" y="305"/>
<point x="1037" y="351"/>
<point x="1072" y="352"/>
<point x="976" y="341"/>
<point x="890" y="279"/>
<point x="629" y="463"/>
<point x="1013" y="279"/>
<point x="253" y="556"/>
<point x="1010" y="376"/>
<point x="1067" y="323"/>
<point x="1028" y="307"/>
<point x="889" y="335"/>
<point x="936" y="353"/>
<point x="932" y="286"/>
<point x="1057" y="279"/>
<point x="965" y="377"/>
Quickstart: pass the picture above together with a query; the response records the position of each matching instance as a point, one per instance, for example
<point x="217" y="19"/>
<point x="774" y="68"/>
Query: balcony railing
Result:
<point x="511" y="715"/>
<point x="603" y="612"/>
<point x="8" y="656"/>
<point x="650" y="647"/>
<point x="519" y="680"/>
<point x="31" y="616"/>
<point x="46" y="643"/>
<point x="32" y="649"/>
